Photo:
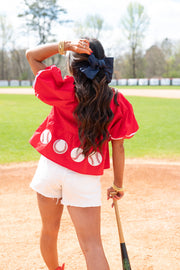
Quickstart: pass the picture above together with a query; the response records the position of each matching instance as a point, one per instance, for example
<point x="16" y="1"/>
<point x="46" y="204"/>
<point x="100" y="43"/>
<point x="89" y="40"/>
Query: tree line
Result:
<point x="159" y="61"/>
<point x="40" y="17"/>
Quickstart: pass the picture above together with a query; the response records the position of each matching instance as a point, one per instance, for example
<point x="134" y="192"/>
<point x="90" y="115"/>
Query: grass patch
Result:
<point x="16" y="87"/>
<point x="158" y="136"/>
<point x="158" y="87"/>
<point x="20" y="117"/>
<point x="159" y="133"/>
<point x="148" y="87"/>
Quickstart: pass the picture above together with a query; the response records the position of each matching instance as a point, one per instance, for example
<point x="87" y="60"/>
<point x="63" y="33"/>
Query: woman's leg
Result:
<point x="87" y="224"/>
<point x="51" y="213"/>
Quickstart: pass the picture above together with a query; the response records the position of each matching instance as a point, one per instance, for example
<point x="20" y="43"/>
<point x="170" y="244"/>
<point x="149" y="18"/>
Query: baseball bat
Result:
<point x="124" y="255"/>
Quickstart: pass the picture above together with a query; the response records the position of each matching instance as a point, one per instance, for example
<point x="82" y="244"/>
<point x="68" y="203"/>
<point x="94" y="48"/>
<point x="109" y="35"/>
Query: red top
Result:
<point x="57" y="137"/>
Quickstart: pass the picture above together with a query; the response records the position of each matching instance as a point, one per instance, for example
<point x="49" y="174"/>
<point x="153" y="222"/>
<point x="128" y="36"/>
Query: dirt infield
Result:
<point x="149" y="211"/>
<point x="161" y="93"/>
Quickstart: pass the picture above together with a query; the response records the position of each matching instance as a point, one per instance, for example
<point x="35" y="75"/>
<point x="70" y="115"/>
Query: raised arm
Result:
<point x="37" y="55"/>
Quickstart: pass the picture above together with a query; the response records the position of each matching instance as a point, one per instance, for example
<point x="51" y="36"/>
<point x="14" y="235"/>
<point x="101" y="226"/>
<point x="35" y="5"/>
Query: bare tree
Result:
<point x="91" y="26"/>
<point x="174" y="70"/>
<point x="167" y="48"/>
<point x="5" y="38"/>
<point x="155" y="62"/>
<point x="134" y="24"/>
<point x="122" y="66"/>
<point x="41" y="16"/>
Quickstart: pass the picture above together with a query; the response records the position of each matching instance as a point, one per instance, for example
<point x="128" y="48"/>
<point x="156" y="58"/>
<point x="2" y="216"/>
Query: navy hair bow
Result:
<point x="93" y="66"/>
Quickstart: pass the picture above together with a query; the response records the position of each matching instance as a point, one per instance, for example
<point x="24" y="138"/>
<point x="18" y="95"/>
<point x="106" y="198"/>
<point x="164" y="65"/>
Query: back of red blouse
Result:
<point x="57" y="137"/>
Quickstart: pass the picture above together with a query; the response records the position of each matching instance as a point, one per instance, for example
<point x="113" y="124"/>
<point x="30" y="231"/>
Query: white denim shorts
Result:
<point x="54" y="181"/>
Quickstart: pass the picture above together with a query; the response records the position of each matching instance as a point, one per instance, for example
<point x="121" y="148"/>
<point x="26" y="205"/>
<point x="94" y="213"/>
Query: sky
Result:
<point x="164" y="19"/>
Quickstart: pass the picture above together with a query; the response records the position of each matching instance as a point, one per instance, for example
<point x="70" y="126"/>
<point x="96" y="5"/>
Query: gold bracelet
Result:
<point x="61" y="48"/>
<point x="118" y="189"/>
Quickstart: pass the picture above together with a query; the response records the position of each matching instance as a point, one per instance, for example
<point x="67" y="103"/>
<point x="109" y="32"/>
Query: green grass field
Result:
<point x="159" y="133"/>
<point x="169" y="87"/>
<point x="20" y="116"/>
<point x="158" y="136"/>
<point x="161" y="87"/>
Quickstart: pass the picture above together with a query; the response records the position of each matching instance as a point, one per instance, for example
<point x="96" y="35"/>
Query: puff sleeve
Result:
<point x="51" y="88"/>
<point x="124" y="124"/>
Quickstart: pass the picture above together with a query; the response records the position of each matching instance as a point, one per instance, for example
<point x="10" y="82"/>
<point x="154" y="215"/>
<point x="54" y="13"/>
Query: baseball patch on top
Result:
<point x="46" y="136"/>
<point x="77" y="154"/>
<point x="60" y="146"/>
<point x="95" y="159"/>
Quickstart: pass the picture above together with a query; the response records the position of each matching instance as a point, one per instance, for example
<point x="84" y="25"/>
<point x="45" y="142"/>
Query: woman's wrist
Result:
<point x="67" y="45"/>
<point x="64" y="46"/>
<point x="117" y="188"/>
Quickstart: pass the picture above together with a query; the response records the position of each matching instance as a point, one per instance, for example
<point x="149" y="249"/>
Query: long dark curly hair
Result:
<point x="93" y="111"/>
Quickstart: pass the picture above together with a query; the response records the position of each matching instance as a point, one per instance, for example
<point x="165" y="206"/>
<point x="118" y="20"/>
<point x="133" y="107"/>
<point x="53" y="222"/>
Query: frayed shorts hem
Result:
<point x="73" y="189"/>
<point x="64" y="203"/>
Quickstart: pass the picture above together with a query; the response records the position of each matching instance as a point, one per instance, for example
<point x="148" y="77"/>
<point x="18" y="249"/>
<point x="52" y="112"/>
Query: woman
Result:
<point x="73" y="143"/>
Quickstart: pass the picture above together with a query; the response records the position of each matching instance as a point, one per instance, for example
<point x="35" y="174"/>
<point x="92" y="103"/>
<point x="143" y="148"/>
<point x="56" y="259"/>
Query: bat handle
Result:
<point x="120" y="231"/>
<point x="124" y="254"/>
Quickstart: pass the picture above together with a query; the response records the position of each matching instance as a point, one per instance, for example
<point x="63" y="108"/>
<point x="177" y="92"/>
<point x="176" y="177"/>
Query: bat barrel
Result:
<point x="125" y="259"/>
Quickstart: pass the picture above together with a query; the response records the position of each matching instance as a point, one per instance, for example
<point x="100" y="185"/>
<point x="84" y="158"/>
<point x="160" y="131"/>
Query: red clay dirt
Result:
<point x="149" y="212"/>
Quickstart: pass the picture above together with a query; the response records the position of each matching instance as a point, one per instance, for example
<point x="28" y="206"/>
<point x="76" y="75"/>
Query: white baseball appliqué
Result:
<point x="77" y="155"/>
<point x="60" y="146"/>
<point x="46" y="136"/>
<point x="95" y="159"/>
